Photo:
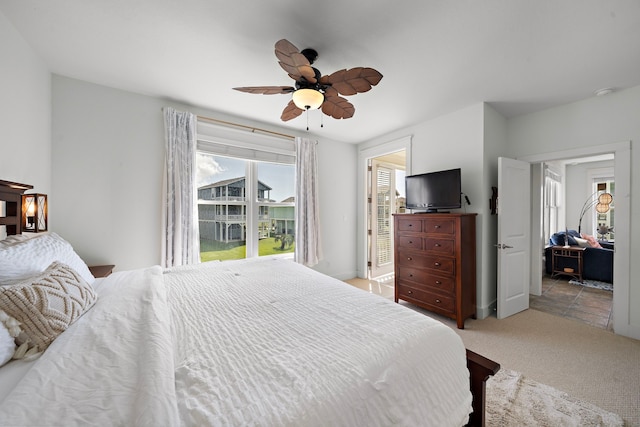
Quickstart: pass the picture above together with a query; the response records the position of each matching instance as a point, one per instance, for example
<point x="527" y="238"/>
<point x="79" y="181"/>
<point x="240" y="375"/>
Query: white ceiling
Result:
<point x="436" y="56"/>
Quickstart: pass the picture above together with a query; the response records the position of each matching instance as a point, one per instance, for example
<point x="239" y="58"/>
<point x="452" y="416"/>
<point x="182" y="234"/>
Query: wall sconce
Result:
<point x="34" y="213"/>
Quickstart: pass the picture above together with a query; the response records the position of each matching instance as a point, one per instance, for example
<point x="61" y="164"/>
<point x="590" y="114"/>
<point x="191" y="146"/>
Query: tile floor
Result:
<point x="591" y="306"/>
<point x="559" y="297"/>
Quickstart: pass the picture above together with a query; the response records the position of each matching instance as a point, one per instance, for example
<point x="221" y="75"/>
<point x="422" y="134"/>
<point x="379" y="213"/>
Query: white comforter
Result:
<point x="271" y="343"/>
<point x="112" y="367"/>
<point x="254" y="342"/>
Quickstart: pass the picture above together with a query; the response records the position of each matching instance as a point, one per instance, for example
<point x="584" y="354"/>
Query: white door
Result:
<point x="383" y="202"/>
<point x="513" y="246"/>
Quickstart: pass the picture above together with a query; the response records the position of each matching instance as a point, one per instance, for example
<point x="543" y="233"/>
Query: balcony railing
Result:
<point x="228" y="199"/>
<point x="233" y="218"/>
<point x="234" y="199"/>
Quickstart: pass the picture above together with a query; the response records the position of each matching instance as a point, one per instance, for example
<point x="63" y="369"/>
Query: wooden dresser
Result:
<point x="435" y="263"/>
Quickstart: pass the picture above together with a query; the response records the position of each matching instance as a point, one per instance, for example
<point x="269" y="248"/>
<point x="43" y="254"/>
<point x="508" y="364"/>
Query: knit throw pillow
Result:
<point x="46" y="304"/>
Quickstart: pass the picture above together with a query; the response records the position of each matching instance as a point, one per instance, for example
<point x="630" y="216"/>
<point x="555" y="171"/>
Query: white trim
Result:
<point x="230" y="142"/>
<point x="622" y="259"/>
<point x="577" y="152"/>
<point x="364" y="154"/>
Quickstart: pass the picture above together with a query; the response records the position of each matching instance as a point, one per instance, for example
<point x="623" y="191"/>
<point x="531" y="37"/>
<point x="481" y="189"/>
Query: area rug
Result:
<point x="593" y="284"/>
<point x="514" y="400"/>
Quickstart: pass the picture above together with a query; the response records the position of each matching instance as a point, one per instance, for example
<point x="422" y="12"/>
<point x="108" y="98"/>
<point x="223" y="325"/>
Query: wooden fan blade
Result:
<point x="329" y="92"/>
<point x="290" y="112"/>
<point x="293" y="62"/>
<point x="337" y="107"/>
<point x="266" y="90"/>
<point x="352" y="81"/>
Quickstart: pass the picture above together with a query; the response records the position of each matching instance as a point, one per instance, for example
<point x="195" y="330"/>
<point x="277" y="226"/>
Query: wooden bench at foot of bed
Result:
<point x="481" y="369"/>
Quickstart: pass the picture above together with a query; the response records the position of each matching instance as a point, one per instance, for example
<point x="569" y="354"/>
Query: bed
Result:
<point x="263" y="342"/>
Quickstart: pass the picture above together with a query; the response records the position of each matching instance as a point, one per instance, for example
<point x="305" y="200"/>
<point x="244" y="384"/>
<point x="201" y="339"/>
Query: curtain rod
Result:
<point x="251" y="128"/>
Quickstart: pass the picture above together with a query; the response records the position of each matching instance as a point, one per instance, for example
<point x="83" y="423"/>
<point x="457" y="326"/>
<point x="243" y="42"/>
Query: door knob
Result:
<point x="501" y="246"/>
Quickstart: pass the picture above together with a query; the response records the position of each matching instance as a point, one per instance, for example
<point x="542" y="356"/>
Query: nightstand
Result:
<point x="101" y="270"/>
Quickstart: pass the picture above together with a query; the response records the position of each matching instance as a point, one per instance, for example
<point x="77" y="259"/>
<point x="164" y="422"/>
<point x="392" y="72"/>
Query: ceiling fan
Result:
<point x="312" y="90"/>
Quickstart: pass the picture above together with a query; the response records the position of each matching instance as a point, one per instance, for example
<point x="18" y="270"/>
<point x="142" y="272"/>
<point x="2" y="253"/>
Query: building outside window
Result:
<point x="246" y="208"/>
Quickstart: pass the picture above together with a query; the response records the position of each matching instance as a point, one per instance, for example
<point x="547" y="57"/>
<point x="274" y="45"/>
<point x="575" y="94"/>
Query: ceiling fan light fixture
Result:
<point x="307" y="99"/>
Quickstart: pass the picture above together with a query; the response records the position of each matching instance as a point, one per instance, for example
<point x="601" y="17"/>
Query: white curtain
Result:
<point x="180" y="240"/>
<point x="308" y="246"/>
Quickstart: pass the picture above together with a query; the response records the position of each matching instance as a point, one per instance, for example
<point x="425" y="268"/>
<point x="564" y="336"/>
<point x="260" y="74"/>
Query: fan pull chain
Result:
<point x="321" y="119"/>
<point x="307" y="113"/>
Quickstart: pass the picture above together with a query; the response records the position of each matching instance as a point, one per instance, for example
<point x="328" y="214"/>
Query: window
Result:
<point x="551" y="202"/>
<point x="246" y="205"/>
<point x="604" y="223"/>
<point x="276" y="208"/>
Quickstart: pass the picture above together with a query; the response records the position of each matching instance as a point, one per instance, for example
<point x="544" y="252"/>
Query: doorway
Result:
<point x="385" y="189"/>
<point x="569" y="201"/>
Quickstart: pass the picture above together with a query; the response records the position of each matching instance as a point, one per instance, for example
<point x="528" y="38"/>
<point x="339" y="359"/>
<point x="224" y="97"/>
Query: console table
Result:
<point x="569" y="252"/>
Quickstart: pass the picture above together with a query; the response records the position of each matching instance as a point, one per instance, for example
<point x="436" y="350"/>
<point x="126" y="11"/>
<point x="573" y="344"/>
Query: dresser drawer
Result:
<point x="426" y="280"/>
<point x="437" y="263"/>
<point x="439" y="225"/>
<point x="410" y="224"/>
<point x="441" y="246"/>
<point x="411" y="242"/>
<point x="409" y="293"/>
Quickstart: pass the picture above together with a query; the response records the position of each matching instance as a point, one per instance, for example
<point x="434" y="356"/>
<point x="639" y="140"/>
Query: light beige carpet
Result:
<point x="515" y="400"/>
<point x="588" y="363"/>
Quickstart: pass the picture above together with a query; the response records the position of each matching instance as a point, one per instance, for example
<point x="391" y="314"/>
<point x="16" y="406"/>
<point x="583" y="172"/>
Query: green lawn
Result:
<point x="210" y="251"/>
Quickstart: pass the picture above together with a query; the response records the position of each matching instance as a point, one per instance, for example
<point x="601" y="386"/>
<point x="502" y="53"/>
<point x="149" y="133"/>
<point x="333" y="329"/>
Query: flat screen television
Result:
<point x="434" y="191"/>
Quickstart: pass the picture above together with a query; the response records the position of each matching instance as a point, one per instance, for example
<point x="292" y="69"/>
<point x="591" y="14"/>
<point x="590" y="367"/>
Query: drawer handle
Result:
<point x="437" y="264"/>
<point x="409" y="292"/>
<point x="410" y="275"/>
<point x="438" y="301"/>
<point x="438" y="282"/>
<point x="409" y="258"/>
<point x="410" y="241"/>
<point x="410" y="225"/>
<point x="437" y="245"/>
<point x="436" y="226"/>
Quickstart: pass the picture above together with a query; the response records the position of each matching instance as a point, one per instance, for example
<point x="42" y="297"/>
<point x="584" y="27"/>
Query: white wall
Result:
<point x="495" y="146"/>
<point x="107" y="174"/>
<point x="25" y="113"/>
<point x="594" y="122"/>
<point x="452" y="141"/>
<point x="338" y="203"/>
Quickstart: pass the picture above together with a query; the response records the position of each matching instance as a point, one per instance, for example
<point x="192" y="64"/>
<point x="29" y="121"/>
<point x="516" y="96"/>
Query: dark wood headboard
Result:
<point x="11" y="194"/>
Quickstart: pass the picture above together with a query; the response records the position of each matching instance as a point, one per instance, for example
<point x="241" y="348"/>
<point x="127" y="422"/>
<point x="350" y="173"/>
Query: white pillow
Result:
<point x="7" y="344"/>
<point x="44" y="306"/>
<point x="583" y="243"/>
<point x="24" y="259"/>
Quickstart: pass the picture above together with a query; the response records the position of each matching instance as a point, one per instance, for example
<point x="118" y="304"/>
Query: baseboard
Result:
<point x="344" y="276"/>
<point x="486" y="311"/>
<point x="630" y="331"/>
